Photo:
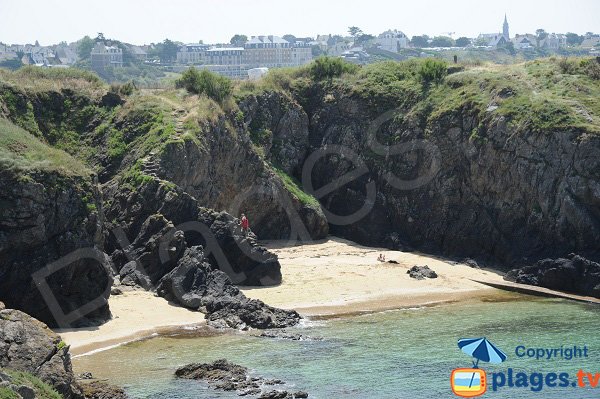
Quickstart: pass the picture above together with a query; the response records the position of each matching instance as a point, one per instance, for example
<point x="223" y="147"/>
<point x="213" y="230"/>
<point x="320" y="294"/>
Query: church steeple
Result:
<point x="505" y="32"/>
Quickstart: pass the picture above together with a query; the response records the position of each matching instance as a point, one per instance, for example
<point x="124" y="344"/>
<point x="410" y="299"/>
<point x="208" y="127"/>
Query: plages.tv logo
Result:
<point x="471" y="382"/>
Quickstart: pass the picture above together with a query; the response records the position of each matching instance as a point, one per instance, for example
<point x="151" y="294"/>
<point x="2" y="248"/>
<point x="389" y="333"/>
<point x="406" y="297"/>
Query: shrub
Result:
<point x="567" y="66"/>
<point x="125" y="89"/>
<point x="592" y="68"/>
<point x="432" y="71"/>
<point x="329" y="68"/>
<point x="205" y="82"/>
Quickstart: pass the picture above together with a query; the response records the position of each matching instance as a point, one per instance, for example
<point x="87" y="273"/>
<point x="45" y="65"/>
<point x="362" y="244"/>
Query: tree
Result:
<point x="540" y="34"/>
<point x="442" y="41"/>
<point x="84" y="47"/>
<point x="239" y="40"/>
<point x="509" y="47"/>
<point x="481" y="41"/>
<point x="290" y="38"/>
<point x="168" y="51"/>
<point x="100" y="37"/>
<point x="363" y="38"/>
<point x="463" y="41"/>
<point x="420" y="41"/>
<point x="316" y="50"/>
<point x="355" y="31"/>
<point x="574" y="39"/>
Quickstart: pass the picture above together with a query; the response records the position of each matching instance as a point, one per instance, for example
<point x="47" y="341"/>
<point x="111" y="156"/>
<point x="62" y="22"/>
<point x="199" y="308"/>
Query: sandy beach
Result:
<point x="136" y="315"/>
<point x="336" y="276"/>
<point x="329" y="277"/>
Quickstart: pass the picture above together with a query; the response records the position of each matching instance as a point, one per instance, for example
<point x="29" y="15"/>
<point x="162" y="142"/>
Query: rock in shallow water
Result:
<point x="227" y="376"/>
<point x="102" y="390"/>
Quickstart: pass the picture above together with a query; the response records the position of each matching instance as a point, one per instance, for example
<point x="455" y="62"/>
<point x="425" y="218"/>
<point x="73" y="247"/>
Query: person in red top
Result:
<point x="245" y="224"/>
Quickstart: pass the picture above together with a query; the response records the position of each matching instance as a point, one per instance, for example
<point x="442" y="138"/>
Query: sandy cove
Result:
<point x="337" y="276"/>
<point x="329" y="277"/>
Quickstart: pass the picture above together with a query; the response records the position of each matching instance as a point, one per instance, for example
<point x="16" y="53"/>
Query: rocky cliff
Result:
<point x="501" y="163"/>
<point x="495" y="162"/>
<point x="50" y="206"/>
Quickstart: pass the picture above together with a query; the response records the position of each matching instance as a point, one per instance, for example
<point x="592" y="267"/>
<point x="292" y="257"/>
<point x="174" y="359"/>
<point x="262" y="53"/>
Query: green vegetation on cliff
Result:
<point x="544" y="95"/>
<point x="294" y="187"/>
<point x="22" y="151"/>
<point x="20" y="378"/>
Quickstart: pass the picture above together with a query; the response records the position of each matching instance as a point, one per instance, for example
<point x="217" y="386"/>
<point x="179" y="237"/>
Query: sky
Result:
<point x="215" y="21"/>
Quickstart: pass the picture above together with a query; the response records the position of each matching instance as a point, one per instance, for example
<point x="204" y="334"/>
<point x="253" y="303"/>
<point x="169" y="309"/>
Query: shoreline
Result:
<point x="367" y="305"/>
<point x="326" y="279"/>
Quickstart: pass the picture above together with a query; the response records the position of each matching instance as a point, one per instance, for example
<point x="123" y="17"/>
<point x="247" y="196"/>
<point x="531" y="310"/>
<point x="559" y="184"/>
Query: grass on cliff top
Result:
<point x="54" y="79"/>
<point x="22" y="151"/>
<point x="544" y="95"/>
<point x="41" y="389"/>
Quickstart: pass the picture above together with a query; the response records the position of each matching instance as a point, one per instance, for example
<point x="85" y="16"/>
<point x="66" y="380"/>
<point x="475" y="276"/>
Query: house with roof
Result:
<point x="492" y="39"/>
<point x="138" y="53"/>
<point x="392" y="40"/>
<point x="590" y="41"/>
<point x="553" y="41"/>
<point x="525" y="41"/>
<point x="103" y="57"/>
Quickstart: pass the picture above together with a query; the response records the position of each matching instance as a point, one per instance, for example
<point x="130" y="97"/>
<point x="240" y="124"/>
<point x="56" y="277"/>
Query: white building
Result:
<point x="392" y="40"/>
<point x="192" y="53"/>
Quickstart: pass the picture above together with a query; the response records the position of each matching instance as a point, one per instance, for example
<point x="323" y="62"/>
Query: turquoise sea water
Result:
<point x="406" y="353"/>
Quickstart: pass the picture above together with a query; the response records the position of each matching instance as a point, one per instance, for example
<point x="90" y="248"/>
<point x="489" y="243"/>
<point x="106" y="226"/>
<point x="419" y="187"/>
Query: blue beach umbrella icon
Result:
<point x="481" y="349"/>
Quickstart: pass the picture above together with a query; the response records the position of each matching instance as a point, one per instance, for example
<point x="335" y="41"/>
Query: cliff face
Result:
<point x="474" y="166"/>
<point x="505" y="193"/>
<point x="46" y="213"/>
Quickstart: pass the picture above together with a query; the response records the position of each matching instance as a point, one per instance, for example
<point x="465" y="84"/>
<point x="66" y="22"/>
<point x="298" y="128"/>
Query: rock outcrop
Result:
<point x="45" y="216"/>
<point x="194" y="284"/>
<point x="222" y="171"/>
<point x="226" y="376"/>
<point x="102" y="390"/>
<point x="30" y="346"/>
<point x="159" y="218"/>
<point x="575" y="274"/>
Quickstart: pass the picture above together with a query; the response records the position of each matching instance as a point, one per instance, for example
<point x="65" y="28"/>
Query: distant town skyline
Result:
<point x="216" y="21"/>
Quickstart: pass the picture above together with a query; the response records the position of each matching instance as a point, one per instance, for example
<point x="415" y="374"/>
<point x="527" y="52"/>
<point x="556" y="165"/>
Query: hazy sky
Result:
<point x="146" y="21"/>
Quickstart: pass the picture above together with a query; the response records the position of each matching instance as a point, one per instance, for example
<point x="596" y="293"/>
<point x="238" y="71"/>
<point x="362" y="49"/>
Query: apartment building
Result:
<point x="259" y="52"/>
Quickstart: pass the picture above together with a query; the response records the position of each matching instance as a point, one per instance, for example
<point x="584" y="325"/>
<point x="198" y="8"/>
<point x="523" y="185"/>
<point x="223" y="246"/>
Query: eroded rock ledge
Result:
<point x="226" y="376"/>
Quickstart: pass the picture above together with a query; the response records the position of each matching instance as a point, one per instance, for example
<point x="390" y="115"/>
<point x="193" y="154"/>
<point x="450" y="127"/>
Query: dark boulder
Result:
<point x="146" y="263"/>
<point x="575" y="274"/>
<point x="194" y="284"/>
<point x="471" y="263"/>
<point x="28" y="345"/>
<point x="421" y="272"/>
<point x="102" y="390"/>
<point x="220" y="370"/>
<point x="226" y="376"/>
